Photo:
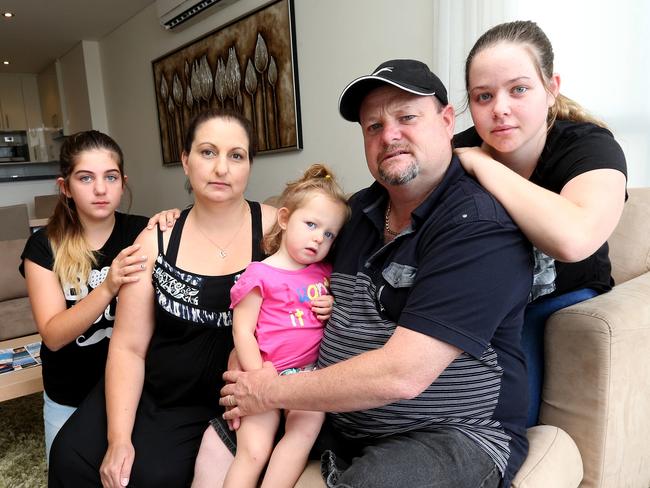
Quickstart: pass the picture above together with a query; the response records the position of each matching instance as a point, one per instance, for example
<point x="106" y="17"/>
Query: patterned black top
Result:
<point x="193" y="336"/>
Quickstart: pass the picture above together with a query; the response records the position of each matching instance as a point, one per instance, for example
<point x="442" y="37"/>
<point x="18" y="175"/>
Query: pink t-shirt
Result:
<point x="288" y="333"/>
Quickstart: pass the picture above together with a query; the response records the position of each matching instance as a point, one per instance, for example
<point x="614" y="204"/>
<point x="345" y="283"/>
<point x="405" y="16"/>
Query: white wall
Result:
<point x="95" y="84"/>
<point x="337" y="40"/>
<point x="74" y="91"/>
<point x="600" y="52"/>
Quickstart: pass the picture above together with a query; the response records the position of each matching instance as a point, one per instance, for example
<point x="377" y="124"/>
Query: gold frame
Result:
<point x="248" y="65"/>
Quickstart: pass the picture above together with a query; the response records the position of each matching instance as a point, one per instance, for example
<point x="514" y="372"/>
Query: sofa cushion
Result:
<point x="311" y="477"/>
<point x="553" y="460"/>
<point x="16" y="319"/>
<point x="12" y="284"/>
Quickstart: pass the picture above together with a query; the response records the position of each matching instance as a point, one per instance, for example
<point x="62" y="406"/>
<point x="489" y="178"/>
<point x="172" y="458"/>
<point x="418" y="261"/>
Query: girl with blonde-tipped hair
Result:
<point x="74" y="268"/>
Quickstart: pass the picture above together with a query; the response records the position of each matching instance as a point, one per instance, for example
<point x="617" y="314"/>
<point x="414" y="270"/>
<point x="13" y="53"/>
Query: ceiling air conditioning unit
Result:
<point x="173" y="13"/>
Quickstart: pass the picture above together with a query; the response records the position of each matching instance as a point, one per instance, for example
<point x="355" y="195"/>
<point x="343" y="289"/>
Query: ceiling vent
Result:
<point x="173" y="13"/>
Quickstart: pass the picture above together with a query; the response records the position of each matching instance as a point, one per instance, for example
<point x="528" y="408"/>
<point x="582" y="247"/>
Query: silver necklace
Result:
<point x="387" y="222"/>
<point x="223" y="251"/>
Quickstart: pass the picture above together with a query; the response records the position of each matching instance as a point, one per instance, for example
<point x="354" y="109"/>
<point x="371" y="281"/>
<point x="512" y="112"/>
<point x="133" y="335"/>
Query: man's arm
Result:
<point x="407" y="364"/>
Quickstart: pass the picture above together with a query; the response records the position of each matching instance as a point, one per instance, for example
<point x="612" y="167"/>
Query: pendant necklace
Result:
<point x="223" y="251"/>
<point x="387" y="222"/>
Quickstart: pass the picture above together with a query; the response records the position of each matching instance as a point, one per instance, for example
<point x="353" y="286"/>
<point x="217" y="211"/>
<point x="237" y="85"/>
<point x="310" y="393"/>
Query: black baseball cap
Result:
<point x="408" y="74"/>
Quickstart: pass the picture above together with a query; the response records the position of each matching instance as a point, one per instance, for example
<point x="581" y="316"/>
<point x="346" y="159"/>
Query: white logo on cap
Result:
<point x="387" y="68"/>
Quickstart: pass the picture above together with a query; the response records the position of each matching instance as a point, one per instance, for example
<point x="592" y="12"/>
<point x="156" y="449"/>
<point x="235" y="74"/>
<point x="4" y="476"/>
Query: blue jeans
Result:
<point x="532" y="342"/>
<point x="54" y="416"/>
<point x="440" y="458"/>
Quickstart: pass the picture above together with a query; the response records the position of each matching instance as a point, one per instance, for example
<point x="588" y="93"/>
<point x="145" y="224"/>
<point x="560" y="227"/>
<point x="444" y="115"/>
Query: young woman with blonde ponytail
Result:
<point x="74" y="268"/>
<point x="556" y="169"/>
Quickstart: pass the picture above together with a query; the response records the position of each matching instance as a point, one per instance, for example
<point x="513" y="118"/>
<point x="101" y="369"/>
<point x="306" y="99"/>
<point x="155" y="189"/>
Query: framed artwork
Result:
<point x="248" y="65"/>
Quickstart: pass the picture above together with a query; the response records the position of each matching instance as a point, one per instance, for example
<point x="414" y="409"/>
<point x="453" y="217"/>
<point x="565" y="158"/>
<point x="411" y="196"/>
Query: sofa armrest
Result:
<point x="597" y="381"/>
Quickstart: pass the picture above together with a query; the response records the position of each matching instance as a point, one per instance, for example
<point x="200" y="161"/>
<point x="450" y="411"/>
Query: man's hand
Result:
<point x="233" y="365"/>
<point x="246" y="391"/>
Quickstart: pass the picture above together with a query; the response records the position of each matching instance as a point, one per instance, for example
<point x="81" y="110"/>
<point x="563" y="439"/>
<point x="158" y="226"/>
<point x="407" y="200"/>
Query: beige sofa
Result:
<point x="15" y="313"/>
<point x="596" y="396"/>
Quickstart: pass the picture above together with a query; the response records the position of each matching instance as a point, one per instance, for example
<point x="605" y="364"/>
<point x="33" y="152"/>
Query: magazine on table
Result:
<point x="21" y="357"/>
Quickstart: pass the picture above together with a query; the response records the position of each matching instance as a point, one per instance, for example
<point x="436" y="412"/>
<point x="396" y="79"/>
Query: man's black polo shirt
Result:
<point x="462" y="274"/>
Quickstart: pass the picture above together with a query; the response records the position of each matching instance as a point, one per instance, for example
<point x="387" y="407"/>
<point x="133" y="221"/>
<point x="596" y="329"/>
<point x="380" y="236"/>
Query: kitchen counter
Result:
<point x="48" y="170"/>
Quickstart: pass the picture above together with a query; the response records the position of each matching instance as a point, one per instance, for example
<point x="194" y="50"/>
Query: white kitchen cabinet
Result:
<point x="50" y="100"/>
<point x="32" y="101"/>
<point x="20" y="106"/>
<point x="12" y="104"/>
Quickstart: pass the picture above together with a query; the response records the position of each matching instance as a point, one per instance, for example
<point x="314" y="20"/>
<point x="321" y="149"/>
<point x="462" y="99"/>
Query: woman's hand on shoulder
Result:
<point x="165" y="219"/>
<point x="125" y="267"/>
<point x="115" y="470"/>
<point x="470" y="157"/>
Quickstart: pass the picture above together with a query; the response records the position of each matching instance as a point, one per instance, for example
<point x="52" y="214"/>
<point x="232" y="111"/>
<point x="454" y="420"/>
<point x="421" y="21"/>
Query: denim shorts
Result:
<point x="440" y="458"/>
<point x="227" y="436"/>
<point x="309" y="367"/>
<point x="54" y="416"/>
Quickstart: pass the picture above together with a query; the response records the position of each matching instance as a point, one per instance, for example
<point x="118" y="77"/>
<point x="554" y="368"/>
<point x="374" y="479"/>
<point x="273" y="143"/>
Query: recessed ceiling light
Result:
<point x="8" y="15"/>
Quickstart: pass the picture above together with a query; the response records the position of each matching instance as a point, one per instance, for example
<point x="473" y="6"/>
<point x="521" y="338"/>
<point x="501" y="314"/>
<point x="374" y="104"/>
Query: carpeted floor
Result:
<point x="22" y="451"/>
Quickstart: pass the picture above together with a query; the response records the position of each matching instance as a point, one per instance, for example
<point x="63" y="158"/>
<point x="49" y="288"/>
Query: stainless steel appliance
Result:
<point x="13" y="146"/>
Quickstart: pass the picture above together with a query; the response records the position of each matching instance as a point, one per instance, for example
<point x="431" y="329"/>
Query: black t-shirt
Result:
<point x="72" y="371"/>
<point x="571" y="149"/>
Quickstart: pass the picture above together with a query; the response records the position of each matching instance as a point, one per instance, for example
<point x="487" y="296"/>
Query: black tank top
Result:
<point x="192" y="338"/>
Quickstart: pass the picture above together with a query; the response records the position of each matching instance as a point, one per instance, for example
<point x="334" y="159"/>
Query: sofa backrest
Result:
<point x="12" y="284"/>
<point x="14" y="222"/>
<point x="629" y="245"/>
<point x="44" y="206"/>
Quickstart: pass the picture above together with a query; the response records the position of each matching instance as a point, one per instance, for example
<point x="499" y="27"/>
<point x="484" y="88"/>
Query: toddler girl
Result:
<point x="279" y="308"/>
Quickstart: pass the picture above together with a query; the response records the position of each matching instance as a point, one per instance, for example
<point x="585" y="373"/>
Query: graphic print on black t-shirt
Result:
<point x="544" y="275"/>
<point x="102" y="327"/>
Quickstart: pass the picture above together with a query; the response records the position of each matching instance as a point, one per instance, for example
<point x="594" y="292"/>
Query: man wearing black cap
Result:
<point x="420" y="364"/>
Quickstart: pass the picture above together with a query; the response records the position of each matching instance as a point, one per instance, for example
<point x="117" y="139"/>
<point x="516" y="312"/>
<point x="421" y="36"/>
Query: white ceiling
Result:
<point x="44" y="30"/>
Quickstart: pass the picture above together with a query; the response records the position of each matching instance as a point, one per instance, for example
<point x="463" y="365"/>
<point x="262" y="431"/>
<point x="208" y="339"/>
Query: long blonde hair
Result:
<point x="529" y="34"/>
<point x="73" y="257"/>
<point x="317" y="178"/>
